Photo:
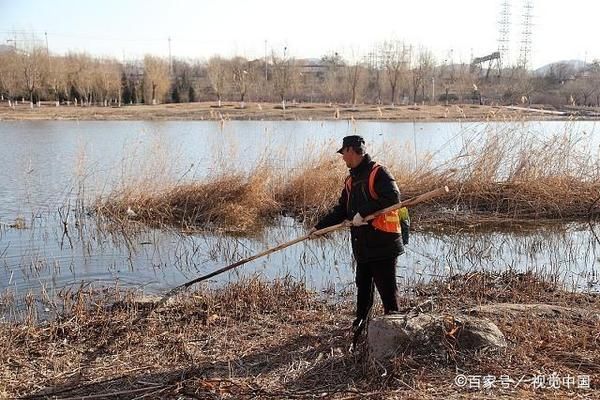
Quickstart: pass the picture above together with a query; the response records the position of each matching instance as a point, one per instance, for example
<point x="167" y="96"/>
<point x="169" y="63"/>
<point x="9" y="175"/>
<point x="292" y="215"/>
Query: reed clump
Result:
<point x="234" y="202"/>
<point x="313" y="188"/>
<point x="527" y="178"/>
<point x="495" y="178"/>
<point x="258" y="339"/>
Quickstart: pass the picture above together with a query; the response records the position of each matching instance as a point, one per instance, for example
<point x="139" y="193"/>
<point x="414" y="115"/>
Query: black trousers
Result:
<point x="381" y="274"/>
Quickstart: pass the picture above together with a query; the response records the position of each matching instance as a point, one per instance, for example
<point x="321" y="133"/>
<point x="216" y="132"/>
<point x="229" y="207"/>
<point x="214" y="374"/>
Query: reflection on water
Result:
<point x="38" y="259"/>
<point x="45" y="164"/>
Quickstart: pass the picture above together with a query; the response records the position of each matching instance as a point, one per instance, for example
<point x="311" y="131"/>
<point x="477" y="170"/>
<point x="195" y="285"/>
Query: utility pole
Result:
<point x="266" y="76"/>
<point x="526" y="34"/>
<point x="170" y="59"/>
<point x="47" y="49"/>
<point x="504" y="25"/>
<point x="13" y="40"/>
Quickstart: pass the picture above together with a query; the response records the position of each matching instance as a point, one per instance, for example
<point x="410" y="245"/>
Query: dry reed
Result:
<point x="501" y="177"/>
<point x="254" y="339"/>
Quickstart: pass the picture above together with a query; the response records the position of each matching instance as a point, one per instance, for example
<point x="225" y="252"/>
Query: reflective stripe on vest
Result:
<point x="388" y="222"/>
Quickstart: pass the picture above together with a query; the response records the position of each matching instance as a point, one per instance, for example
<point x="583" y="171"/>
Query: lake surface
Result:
<point x="48" y="165"/>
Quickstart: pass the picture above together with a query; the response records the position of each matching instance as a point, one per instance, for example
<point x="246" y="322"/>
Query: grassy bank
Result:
<point x="273" y="111"/>
<point x="503" y="178"/>
<point x="254" y="339"/>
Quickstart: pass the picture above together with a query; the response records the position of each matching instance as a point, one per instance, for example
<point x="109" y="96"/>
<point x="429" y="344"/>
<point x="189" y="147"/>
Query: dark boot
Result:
<point x="358" y="327"/>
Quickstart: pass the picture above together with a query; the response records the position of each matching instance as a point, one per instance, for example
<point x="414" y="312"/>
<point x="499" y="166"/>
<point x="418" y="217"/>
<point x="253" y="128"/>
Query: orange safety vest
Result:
<point x="388" y="222"/>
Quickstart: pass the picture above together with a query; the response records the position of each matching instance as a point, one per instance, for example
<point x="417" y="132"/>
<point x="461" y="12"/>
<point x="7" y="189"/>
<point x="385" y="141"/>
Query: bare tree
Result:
<point x="586" y="88"/>
<point x="217" y="69"/>
<point x="560" y="72"/>
<point x="33" y="65"/>
<point x="579" y="91"/>
<point x="354" y="72"/>
<point x="9" y="74"/>
<point x="396" y="59"/>
<point x="594" y="72"/>
<point x="284" y="77"/>
<point x="81" y="77"/>
<point x="242" y="74"/>
<point x="373" y="87"/>
<point x="57" y="78"/>
<point x="156" y="79"/>
<point x="421" y="71"/>
<point x="466" y="82"/>
<point x="182" y="89"/>
<point x="334" y="66"/>
<point x="519" y="86"/>
<point x="108" y="81"/>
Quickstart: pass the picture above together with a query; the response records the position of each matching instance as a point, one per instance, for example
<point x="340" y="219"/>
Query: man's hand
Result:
<point x="358" y="220"/>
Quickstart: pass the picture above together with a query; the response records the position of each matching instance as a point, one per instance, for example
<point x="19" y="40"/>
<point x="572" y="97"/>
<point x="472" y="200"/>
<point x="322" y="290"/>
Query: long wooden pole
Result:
<point x="407" y="203"/>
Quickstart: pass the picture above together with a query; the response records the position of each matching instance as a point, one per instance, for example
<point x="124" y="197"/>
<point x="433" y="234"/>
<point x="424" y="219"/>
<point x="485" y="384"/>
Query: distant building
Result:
<point x="6" y="49"/>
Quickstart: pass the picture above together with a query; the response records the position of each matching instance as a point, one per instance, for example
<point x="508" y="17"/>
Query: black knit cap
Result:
<point x="352" y="141"/>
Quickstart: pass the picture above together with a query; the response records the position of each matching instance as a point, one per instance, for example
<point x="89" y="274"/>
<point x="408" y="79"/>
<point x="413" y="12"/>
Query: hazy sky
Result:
<point x="454" y="29"/>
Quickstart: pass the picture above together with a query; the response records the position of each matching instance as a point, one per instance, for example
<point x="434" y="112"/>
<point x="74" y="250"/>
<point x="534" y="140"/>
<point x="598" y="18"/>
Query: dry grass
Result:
<point x="262" y="111"/>
<point x="234" y="202"/>
<point x="254" y="339"/>
<point x="528" y="178"/>
<point x="311" y="190"/>
<point x="507" y="177"/>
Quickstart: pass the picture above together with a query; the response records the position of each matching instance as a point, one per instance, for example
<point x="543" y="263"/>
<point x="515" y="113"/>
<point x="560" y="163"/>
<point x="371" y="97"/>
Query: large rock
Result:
<point x="429" y="333"/>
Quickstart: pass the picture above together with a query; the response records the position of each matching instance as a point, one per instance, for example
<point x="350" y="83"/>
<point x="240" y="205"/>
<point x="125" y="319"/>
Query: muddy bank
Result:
<point x="274" y="111"/>
<point x="279" y="340"/>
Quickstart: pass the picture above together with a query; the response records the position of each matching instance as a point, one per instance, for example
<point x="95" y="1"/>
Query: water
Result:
<point x="47" y="167"/>
<point x="43" y="161"/>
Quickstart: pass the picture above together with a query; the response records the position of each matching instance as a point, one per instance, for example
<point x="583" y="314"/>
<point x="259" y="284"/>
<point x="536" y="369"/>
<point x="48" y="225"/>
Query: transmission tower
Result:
<point x="526" y="33"/>
<point x="504" y="32"/>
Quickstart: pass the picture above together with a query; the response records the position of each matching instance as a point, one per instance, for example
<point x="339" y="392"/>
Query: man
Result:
<point x="377" y="244"/>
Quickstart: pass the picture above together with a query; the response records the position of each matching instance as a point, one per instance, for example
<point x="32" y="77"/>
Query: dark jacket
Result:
<point x="368" y="243"/>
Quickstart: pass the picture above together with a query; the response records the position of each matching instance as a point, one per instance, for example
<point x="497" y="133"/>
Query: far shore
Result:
<point x="299" y="111"/>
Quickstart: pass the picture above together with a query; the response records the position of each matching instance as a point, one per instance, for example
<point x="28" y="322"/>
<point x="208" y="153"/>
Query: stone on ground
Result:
<point x="430" y="333"/>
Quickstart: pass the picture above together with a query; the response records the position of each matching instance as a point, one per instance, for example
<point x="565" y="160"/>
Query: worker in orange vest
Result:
<point x="376" y="244"/>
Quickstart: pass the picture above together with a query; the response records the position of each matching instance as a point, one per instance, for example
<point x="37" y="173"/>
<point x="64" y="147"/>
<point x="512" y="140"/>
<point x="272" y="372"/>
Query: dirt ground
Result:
<point x="268" y="111"/>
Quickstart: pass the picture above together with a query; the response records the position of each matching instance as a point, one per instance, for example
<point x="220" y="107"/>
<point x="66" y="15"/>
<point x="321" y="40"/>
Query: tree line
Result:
<point x="393" y="73"/>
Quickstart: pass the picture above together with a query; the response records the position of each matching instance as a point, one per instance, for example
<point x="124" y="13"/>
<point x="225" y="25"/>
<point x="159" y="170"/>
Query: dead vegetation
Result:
<point x="259" y="111"/>
<point x="503" y="177"/>
<point x="254" y="339"/>
<point x="235" y="202"/>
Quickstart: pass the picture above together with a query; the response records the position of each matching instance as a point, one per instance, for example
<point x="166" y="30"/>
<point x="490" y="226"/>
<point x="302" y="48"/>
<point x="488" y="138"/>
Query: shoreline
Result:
<point x="231" y="111"/>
